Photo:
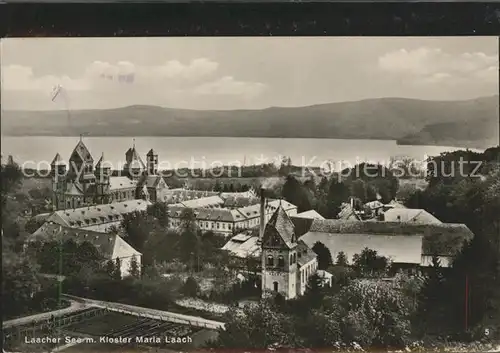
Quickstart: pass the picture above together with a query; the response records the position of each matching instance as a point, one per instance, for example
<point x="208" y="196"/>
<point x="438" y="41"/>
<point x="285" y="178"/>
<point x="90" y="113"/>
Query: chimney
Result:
<point x="262" y="213"/>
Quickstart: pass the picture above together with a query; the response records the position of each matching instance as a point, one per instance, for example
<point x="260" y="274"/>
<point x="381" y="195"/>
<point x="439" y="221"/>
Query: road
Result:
<point x="74" y="306"/>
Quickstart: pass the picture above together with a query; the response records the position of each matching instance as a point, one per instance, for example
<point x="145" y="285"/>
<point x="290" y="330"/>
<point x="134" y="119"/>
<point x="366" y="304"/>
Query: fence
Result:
<point x="193" y="321"/>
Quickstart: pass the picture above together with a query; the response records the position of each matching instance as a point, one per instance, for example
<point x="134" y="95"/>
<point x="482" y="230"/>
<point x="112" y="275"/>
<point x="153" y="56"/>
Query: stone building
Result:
<point x="81" y="183"/>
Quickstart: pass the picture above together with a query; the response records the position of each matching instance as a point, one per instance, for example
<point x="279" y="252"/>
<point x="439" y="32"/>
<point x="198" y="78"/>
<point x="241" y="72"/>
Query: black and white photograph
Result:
<point x="250" y="194"/>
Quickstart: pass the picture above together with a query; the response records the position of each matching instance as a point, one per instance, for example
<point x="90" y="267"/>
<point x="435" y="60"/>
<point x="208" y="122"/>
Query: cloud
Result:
<point x="434" y="65"/>
<point x="229" y="86"/>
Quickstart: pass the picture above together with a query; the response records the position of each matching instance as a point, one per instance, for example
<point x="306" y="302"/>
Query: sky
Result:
<point x="242" y="72"/>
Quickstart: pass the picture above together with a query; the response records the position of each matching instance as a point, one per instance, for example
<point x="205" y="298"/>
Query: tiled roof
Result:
<point x="311" y="214"/>
<point x="207" y="214"/>
<point x="444" y="239"/>
<point x="104" y="243"/>
<point x="410" y="215"/>
<point x="243" y="245"/>
<point x="304" y="253"/>
<point x="121" y="182"/>
<point x="203" y="202"/>
<point x="99" y="214"/>
<point x="348" y="213"/>
<point x="400" y="249"/>
<point x="83" y="152"/>
<point x="281" y="224"/>
<point x="240" y="201"/>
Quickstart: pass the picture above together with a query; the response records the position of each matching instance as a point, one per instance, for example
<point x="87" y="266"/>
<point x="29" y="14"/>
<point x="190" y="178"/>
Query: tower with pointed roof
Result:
<point x="134" y="166"/>
<point x="58" y="175"/>
<point x="279" y="256"/>
<point x="102" y="174"/>
<point x="152" y="162"/>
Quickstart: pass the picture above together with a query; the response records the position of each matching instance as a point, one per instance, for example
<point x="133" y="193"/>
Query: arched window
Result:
<point x="270" y="261"/>
<point x="281" y="261"/>
<point x="291" y="259"/>
<point x="275" y="286"/>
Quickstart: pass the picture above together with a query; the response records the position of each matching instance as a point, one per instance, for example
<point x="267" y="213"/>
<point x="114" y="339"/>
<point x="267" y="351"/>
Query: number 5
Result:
<point x="486" y="331"/>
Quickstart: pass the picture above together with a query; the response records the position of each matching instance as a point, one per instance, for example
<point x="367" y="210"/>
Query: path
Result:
<point x="74" y="306"/>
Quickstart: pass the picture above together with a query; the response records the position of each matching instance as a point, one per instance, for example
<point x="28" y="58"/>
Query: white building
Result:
<point x="110" y="246"/>
<point x="99" y="218"/>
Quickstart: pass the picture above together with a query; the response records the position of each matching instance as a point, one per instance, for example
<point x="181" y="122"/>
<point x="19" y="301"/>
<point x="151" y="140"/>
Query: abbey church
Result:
<point x="80" y="183"/>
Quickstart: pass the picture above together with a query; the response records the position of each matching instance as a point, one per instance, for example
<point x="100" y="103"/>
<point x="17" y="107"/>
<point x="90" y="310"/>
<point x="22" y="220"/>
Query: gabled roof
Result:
<point x="82" y="151"/>
<point x="311" y="214"/>
<point x="243" y="245"/>
<point x="411" y="215"/>
<point x="280" y="224"/>
<point x="304" y="253"/>
<point x="95" y="215"/>
<point x="105" y="243"/>
<point x="210" y="201"/>
<point x="152" y="152"/>
<point x="133" y="159"/>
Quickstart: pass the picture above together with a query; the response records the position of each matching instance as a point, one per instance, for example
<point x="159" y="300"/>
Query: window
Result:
<point x="275" y="286"/>
<point x="291" y="259"/>
<point x="281" y="261"/>
<point x="270" y="261"/>
<point x="217" y="225"/>
<point x="229" y="225"/>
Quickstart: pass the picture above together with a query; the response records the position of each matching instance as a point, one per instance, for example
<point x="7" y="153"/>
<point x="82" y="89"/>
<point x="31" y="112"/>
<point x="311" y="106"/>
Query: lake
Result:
<point x="206" y="152"/>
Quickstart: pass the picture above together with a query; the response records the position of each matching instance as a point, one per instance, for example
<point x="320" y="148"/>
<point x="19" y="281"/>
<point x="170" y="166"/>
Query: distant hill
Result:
<point x="405" y="120"/>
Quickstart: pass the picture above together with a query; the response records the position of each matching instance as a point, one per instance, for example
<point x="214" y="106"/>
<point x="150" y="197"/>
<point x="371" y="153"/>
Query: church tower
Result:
<point x="279" y="256"/>
<point x="58" y="175"/>
<point x="102" y="174"/>
<point x="152" y="162"/>
<point x="134" y="166"/>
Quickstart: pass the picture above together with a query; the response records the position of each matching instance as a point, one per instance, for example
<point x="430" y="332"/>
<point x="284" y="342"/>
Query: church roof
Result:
<point x="101" y="162"/>
<point x="57" y="160"/>
<point x="121" y="182"/>
<point x="280" y="224"/>
<point x="83" y="152"/>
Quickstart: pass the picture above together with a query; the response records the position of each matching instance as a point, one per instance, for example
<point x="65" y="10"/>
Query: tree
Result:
<point x="257" y="327"/>
<point x="342" y="259"/>
<point x="314" y="291"/>
<point x="19" y="284"/>
<point x="117" y="273"/>
<point x="338" y="193"/>
<point x="324" y="255"/>
<point x="159" y="211"/>
<point x="138" y="227"/>
<point x="191" y="287"/>
<point x="295" y="193"/>
<point x="369" y="263"/>
<point x="134" y="268"/>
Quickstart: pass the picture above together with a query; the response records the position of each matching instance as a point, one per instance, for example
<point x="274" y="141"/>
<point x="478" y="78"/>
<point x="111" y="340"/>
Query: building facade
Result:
<point x="81" y="183"/>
